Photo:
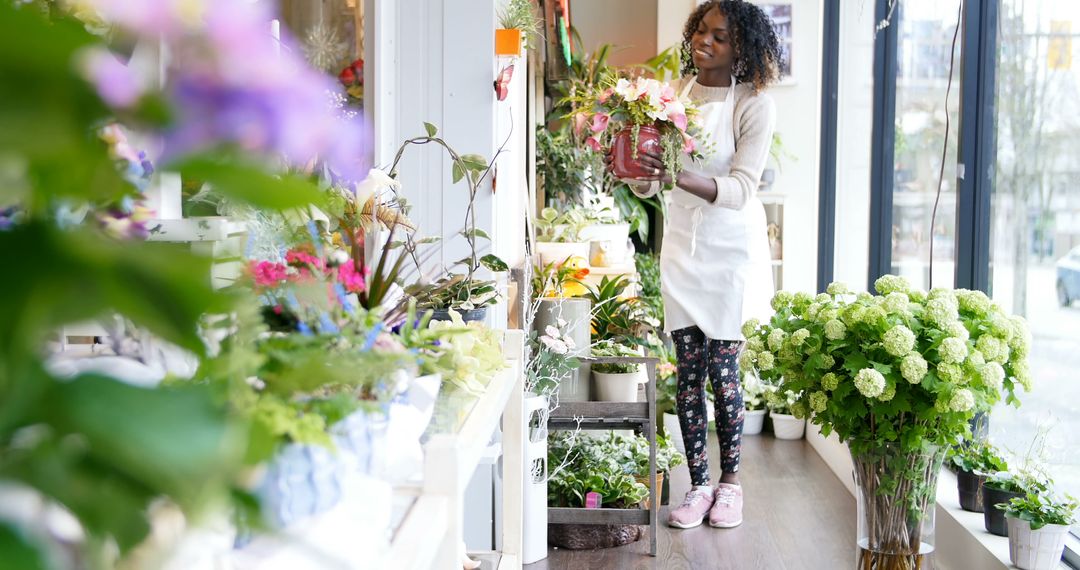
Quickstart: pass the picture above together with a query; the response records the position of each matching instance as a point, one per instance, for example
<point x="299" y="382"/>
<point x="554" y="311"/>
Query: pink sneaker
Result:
<point x="693" y="509"/>
<point x="726" y="511"/>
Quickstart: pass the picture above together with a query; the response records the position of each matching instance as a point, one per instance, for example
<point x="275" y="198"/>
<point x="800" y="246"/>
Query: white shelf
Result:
<point x="194" y="229"/>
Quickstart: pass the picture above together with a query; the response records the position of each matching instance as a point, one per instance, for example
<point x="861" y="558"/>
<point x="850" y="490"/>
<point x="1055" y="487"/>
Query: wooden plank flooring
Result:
<point x="797" y="516"/>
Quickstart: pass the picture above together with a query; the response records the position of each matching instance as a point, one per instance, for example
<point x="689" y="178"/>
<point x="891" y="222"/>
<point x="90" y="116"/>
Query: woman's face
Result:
<point x="710" y="46"/>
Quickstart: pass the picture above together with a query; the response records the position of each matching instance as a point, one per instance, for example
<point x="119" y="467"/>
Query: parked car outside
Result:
<point x="1068" y="277"/>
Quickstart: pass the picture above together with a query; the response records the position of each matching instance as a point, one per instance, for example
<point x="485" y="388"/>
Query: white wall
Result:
<point x="798" y="120"/>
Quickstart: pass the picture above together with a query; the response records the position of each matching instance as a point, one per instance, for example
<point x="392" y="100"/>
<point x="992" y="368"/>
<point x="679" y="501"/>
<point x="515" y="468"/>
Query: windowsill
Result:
<point x="960" y="536"/>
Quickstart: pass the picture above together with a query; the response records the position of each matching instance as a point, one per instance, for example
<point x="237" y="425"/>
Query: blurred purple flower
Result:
<point x="115" y="82"/>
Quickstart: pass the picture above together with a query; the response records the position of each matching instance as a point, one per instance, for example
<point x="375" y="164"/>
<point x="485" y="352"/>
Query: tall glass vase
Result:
<point x="895" y="491"/>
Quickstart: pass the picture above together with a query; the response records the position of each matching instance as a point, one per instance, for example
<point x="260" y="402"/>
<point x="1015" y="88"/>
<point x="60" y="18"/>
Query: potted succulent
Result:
<point x="1002" y="487"/>
<point x="617" y="382"/>
<point x="973" y="462"/>
<point x="558" y="235"/>
<point x="1038" y="526"/>
<point x="785" y="424"/>
<point x="753" y="403"/>
<point x="519" y="28"/>
<point x="635" y="116"/>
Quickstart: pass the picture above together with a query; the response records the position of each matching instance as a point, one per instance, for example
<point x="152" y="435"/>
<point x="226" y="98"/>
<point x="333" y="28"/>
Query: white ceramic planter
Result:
<point x="753" y="421"/>
<point x="1036" y="549"/>
<point x="618" y="387"/>
<point x="556" y="252"/>
<point x="786" y="426"/>
<point x="608" y="243"/>
<point x="534" y="500"/>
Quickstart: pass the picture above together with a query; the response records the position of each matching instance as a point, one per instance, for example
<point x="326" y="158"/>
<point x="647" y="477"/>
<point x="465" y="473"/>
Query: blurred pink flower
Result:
<point x="300" y="258"/>
<point x="115" y="82"/>
<point x="594" y="144"/>
<point x="599" y="122"/>
<point x="268" y="273"/>
<point x="350" y="278"/>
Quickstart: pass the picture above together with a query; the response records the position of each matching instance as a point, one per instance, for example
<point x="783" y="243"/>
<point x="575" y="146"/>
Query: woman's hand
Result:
<point x="656" y="163"/>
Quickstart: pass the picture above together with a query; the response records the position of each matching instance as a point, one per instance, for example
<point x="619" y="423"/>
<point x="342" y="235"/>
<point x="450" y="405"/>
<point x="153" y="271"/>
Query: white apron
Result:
<point x="715" y="267"/>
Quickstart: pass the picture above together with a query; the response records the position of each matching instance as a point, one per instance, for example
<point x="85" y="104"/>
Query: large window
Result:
<point x="1035" y="217"/>
<point x="925" y="34"/>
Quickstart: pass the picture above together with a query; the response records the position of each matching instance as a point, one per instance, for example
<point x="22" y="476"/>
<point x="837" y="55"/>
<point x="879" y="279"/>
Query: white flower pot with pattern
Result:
<point x="786" y="426"/>
<point x="1036" y="549"/>
<point x="753" y="422"/>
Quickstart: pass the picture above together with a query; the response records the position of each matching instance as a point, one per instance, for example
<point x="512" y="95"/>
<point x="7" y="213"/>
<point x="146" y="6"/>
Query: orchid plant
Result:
<point x="632" y="104"/>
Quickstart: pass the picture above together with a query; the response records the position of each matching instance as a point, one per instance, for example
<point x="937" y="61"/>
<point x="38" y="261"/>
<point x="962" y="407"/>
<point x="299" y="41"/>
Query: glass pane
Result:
<point x="925" y="36"/>
<point x="855" y="114"/>
<point x="1035" y="220"/>
<point x="330" y="34"/>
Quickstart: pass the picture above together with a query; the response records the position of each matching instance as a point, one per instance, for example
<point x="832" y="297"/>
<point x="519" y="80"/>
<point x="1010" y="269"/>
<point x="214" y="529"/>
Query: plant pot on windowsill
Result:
<point x="1039" y="549"/>
<point x="970" y="486"/>
<point x="508" y="42"/>
<point x="753" y="421"/>
<point x="627" y="163"/>
<point x="993" y="517"/>
<point x="786" y="426"/>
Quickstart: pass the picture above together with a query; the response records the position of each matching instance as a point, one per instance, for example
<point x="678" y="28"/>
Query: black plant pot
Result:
<point x="467" y="316"/>
<point x="665" y="490"/>
<point x="970" y="486"/>
<point x="993" y="517"/>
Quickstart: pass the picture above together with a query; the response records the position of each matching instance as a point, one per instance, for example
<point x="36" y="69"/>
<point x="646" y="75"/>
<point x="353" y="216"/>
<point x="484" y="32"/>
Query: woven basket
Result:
<point x="593" y="536"/>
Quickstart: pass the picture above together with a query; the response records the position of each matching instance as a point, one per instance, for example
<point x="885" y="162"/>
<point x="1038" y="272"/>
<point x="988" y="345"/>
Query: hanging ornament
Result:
<point x="502" y="84"/>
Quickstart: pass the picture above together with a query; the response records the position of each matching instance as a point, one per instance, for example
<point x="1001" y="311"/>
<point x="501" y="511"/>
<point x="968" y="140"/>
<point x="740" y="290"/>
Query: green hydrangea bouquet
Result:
<point x="897" y="376"/>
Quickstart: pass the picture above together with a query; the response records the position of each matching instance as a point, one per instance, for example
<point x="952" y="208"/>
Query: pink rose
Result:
<point x="593" y="144"/>
<point x="599" y="122"/>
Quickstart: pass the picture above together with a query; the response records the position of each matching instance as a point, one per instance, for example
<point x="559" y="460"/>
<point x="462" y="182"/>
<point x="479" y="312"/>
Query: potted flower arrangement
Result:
<point x="617" y="382"/>
<point x="558" y="235"/>
<point x="781" y="405"/>
<point x="898" y="376"/>
<point x="973" y="462"/>
<point x="1038" y="526"/>
<point x="754" y="404"/>
<point x="1004" y="486"/>
<point x="635" y="116"/>
<point x="519" y="28"/>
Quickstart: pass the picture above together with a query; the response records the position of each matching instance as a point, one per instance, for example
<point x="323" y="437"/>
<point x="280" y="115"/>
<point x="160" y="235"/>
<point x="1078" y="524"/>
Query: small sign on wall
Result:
<point x="780" y="13"/>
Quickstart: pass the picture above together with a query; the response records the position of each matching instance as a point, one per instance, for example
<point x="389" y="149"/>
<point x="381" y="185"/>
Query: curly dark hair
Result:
<point x="757" y="48"/>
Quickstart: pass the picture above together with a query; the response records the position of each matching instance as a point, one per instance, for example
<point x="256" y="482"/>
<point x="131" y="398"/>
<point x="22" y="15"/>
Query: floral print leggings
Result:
<point x="700" y="358"/>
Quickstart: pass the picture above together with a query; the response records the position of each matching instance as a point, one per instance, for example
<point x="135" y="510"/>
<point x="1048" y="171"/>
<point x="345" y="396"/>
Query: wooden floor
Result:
<point x="797" y="515"/>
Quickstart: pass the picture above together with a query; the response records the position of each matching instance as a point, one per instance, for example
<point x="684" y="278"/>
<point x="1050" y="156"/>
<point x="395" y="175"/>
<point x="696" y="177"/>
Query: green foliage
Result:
<point x="978" y="457"/>
<point x="565" y="167"/>
<point x="582" y="465"/>
<point x="648" y="269"/>
<point x="521" y="15"/>
<point x="468" y="357"/>
<point x="611" y="349"/>
<point x="1040" y="510"/>
<point x="616" y="316"/>
<point x="566" y="227"/>
<point x="550" y="361"/>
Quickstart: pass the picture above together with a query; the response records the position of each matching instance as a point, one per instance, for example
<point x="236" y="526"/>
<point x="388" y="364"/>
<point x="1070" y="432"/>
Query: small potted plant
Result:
<point x="1038" y="526"/>
<point x="753" y="403"/>
<point x="617" y="382"/>
<point x="636" y="116"/>
<point x="558" y="235"/>
<point x="519" y="28"/>
<point x="974" y="461"/>
<point x="786" y="425"/>
<point x="1002" y="487"/>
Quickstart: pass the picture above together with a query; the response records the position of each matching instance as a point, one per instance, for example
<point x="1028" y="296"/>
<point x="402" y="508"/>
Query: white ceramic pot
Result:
<point x="674" y="431"/>
<point x="753" y="421"/>
<point x="1035" y="549"/>
<point x="608" y="244"/>
<point x="618" y="387"/>
<point x="786" y="426"/>
<point x="557" y="252"/>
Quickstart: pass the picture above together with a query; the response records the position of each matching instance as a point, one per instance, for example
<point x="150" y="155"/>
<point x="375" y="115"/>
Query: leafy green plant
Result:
<point x="565" y="167"/>
<point x="468" y="356"/>
<point x="667" y="456"/>
<point x="754" y="392"/>
<point x="779" y="153"/>
<point x="616" y="316"/>
<point x="1040" y="510"/>
<point x="648" y="269"/>
<point x="978" y="457"/>
<point x="566" y="227"/>
<point x="1019" y="481"/>
<point x="611" y="349"/>
<point x="585" y="465"/>
<point x="521" y="15"/>
<point x="781" y="402"/>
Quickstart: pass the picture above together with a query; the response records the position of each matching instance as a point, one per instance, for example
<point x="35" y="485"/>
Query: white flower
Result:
<point x="1021" y="336"/>
<point x="776" y="339"/>
<point x="896" y="302"/>
<point x="835" y="330"/>
<point x="746" y="359"/>
<point x="837" y="288"/>
<point x="973" y="301"/>
<point x="782" y="300"/>
<point x="554" y="345"/>
<point x="899" y="340"/>
<point x="870" y="382"/>
<point x="561" y="322"/>
<point x="913" y="368"/>
<point x="552" y="331"/>
<point x="953" y="350"/>
<point x="941" y="312"/>
<point x="818" y="402"/>
<point x="1023" y="374"/>
<point x="755" y="344"/>
<point x="812" y="310"/>
<point x="950" y="372"/>
<point x="888" y="394"/>
<point x="765" y="361"/>
<point x="958" y="330"/>
<point x="376" y="182"/>
<point x="993" y="375"/>
<point x="830" y="381"/>
<point x="962" y="400"/>
<point x="569" y="342"/>
<point x="994" y="349"/>
<point x="798" y="337"/>
<point x="628" y="90"/>
<point x="827" y="360"/>
<point x="891" y="283"/>
<point x="750" y="327"/>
